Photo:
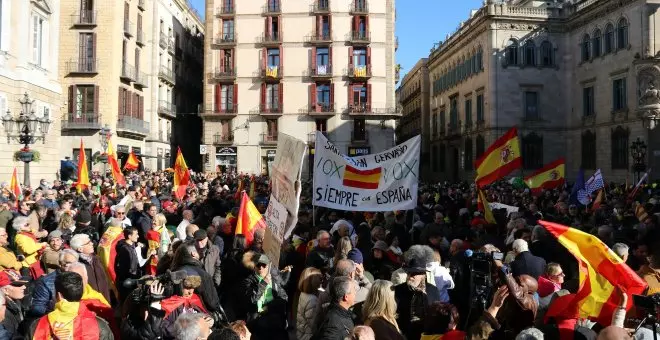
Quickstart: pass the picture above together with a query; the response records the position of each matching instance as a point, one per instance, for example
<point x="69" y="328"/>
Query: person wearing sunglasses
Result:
<point x="551" y="281"/>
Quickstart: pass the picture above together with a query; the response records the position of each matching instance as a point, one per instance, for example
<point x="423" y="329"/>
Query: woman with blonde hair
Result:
<point x="341" y="251"/>
<point x="159" y="239"/>
<point x="308" y="286"/>
<point x="66" y="225"/>
<point x="379" y="311"/>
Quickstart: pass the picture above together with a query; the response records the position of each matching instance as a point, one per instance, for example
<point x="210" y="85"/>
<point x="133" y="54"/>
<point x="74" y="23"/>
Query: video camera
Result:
<point x="481" y="282"/>
<point x="650" y="306"/>
<point x="141" y="293"/>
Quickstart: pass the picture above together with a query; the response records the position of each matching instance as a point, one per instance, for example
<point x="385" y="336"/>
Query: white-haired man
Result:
<point x="525" y="262"/>
<point x="95" y="270"/>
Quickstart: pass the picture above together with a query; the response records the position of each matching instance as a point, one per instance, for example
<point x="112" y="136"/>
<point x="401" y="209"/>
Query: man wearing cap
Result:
<point x="209" y="255"/>
<point x="50" y="256"/>
<point x="13" y="286"/>
<point x="364" y="284"/>
<point x="84" y="225"/>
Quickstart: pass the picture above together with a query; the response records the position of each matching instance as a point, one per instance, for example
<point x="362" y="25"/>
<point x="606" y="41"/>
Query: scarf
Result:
<point x="69" y="321"/>
<point x="172" y="303"/>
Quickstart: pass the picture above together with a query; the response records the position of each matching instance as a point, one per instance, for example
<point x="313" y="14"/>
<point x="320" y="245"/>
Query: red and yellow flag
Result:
<point x="362" y="179"/>
<point x="114" y="165"/>
<point x="601" y="270"/>
<point x="15" y="187"/>
<point x="249" y="219"/>
<point x="107" y="252"/>
<point x="551" y="176"/>
<point x="500" y="159"/>
<point x="181" y="175"/>
<point x="132" y="163"/>
<point x="483" y="204"/>
<point x="83" y="173"/>
<point x="598" y="201"/>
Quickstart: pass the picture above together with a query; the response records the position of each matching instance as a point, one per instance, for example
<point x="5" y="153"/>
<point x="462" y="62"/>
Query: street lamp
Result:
<point x="638" y="150"/>
<point x="27" y="124"/>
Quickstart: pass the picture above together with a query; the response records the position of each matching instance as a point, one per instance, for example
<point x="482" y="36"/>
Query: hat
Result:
<point x="83" y="217"/>
<point x="414" y="266"/>
<point x="262" y="259"/>
<point x="355" y="255"/>
<point x="131" y="188"/>
<point x="54" y="234"/>
<point x="192" y="282"/>
<point x="380" y="245"/>
<point x="167" y="205"/>
<point x="200" y="235"/>
<point x="11" y="277"/>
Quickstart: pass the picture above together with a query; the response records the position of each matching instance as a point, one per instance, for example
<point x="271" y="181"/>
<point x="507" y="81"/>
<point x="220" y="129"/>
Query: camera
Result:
<point x="650" y="306"/>
<point x="481" y="282"/>
<point x="141" y="293"/>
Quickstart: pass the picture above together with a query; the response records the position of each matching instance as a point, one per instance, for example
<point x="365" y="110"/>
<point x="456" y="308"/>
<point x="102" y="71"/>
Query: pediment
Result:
<point x="43" y="5"/>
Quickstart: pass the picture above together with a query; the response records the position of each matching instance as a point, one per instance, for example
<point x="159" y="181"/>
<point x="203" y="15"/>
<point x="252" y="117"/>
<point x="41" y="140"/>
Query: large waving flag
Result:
<point x="500" y="159"/>
<point x="181" y="175"/>
<point x="132" y="163"/>
<point x="15" y="187"/>
<point x="549" y="177"/>
<point x="114" y="165"/>
<point x="83" y="173"/>
<point x="488" y="212"/>
<point x="249" y="219"/>
<point x="107" y="252"/>
<point x="601" y="270"/>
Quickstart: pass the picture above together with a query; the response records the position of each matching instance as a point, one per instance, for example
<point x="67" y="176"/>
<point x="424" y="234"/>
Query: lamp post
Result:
<point x="104" y="135"/>
<point x="26" y="125"/>
<point x="638" y="150"/>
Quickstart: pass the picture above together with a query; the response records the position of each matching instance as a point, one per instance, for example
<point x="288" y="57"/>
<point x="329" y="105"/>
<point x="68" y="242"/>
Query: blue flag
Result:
<point x="577" y="187"/>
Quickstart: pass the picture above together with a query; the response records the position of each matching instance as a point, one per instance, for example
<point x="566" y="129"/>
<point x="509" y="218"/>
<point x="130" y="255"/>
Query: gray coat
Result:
<point x="211" y="260"/>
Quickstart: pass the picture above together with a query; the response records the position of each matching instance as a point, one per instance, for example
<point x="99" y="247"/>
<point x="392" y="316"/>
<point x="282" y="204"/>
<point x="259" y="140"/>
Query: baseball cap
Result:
<point x="11" y="277"/>
<point x="200" y="235"/>
<point x="83" y="217"/>
<point x="355" y="255"/>
<point x="262" y="259"/>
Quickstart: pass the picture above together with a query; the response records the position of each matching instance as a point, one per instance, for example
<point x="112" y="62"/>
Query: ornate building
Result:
<point x="574" y="76"/>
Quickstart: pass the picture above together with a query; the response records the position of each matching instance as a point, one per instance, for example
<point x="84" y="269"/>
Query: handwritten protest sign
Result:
<point x="384" y="181"/>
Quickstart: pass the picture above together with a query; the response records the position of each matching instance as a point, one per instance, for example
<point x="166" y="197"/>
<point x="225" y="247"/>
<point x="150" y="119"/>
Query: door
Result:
<point x="454" y="164"/>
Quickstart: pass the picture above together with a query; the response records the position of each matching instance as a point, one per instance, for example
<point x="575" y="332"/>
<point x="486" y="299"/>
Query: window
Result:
<point x="38" y="26"/>
<point x="228" y="30"/>
<point x="586" y="48"/>
<point x="532" y="151"/>
<point x="227" y="61"/>
<point x="324" y="30"/>
<point x="322" y="56"/>
<point x="619" y="94"/>
<point x="453" y="112"/>
<point x="480" y="108"/>
<point x="274" y="28"/>
<point x="84" y="105"/>
<point x="272" y="96"/>
<point x="468" y="112"/>
<point x="434" y="124"/>
<point x="531" y="99"/>
<point x="609" y="38"/>
<point x="322" y="125"/>
<point x="86" y="52"/>
<point x="620" y="148"/>
<point x="622" y="34"/>
<point x="360" y="96"/>
<point x="547" y="54"/>
<point x="481" y="146"/>
<point x="359" y="129"/>
<point x="360" y="56"/>
<point x="443" y="121"/>
<point x="467" y="160"/>
<point x="274" y="5"/>
<point x="530" y="53"/>
<point x="512" y="52"/>
<point x="588" y="101"/>
<point x="596" y="45"/>
<point x="273" y="57"/>
<point x="271" y="127"/>
<point x="323" y="94"/>
<point x="588" y="150"/>
<point x="137" y="62"/>
<point x="226" y="103"/>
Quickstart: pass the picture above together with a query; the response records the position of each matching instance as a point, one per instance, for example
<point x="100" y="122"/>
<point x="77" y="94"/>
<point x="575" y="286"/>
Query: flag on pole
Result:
<point x="601" y="271"/>
<point x="132" y="163"/>
<point x="252" y="187"/>
<point x="598" y="200"/>
<point x="114" y="165"/>
<point x="83" y="173"/>
<point x="595" y="182"/>
<point x="249" y="219"/>
<point x="181" y="175"/>
<point x="638" y="185"/>
<point x="488" y="212"/>
<point x="500" y="159"/>
<point x="550" y="176"/>
<point x="15" y="187"/>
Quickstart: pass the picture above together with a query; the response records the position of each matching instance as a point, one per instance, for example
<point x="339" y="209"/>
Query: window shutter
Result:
<point x="314" y="59"/>
<point x="350" y="57"/>
<point x="330" y="58"/>
<point x="279" y="28"/>
<point x="332" y="95"/>
<point x="281" y="60"/>
<point x="263" y="94"/>
<point x="267" y="27"/>
<point x="330" y="26"/>
<point x="368" y="58"/>
<point x="218" y="88"/>
<point x="312" y="97"/>
<point x="264" y="58"/>
<point x="136" y="105"/>
<point x="96" y="101"/>
<point x="356" y="24"/>
<point x="350" y="94"/>
<point x="222" y="61"/>
<point x="81" y="49"/>
<point x="366" y="25"/>
<point x="93" y="66"/>
<point x="235" y="86"/>
<point x="281" y="99"/>
<point x="369" y="96"/>
<point x="274" y="127"/>
<point x="319" y="26"/>
<point x="72" y="93"/>
<point x="120" y="96"/>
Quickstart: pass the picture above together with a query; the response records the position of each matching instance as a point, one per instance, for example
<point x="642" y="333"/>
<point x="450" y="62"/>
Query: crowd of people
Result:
<point x="136" y="262"/>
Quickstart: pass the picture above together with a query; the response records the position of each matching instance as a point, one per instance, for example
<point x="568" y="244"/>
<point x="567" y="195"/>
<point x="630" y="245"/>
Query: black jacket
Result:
<point x="206" y="291"/>
<point x="336" y="325"/>
<point x="411" y="308"/>
<point x="526" y="263"/>
<point x="13" y="319"/>
<point x="126" y="266"/>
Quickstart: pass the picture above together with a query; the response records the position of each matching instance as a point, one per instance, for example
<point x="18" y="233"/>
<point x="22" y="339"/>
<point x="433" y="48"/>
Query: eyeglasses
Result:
<point x="560" y="274"/>
<point x="120" y="213"/>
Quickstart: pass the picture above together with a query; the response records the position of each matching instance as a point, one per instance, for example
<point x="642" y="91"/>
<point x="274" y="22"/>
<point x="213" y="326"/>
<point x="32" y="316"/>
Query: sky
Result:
<point x="419" y="24"/>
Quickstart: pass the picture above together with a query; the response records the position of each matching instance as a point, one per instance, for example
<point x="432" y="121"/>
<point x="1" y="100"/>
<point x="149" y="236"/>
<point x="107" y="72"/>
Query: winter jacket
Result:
<point x="126" y="266"/>
<point x="442" y="280"/>
<point x="411" y="308"/>
<point x="307" y="304"/>
<point x="207" y="290"/>
<point x="269" y="322"/>
<point x="336" y="325"/>
<point x="96" y="274"/>
<point x="13" y="319"/>
<point x="526" y="263"/>
<point x="169" y="319"/>
<point x="383" y="329"/>
<point x="135" y="327"/>
<point x="28" y="246"/>
<point x="8" y="260"/>
<point x="210" y="257"/>
<point x="519" y="309"/>
<point x="50" y="260"/>
<point x="43" y="296"/>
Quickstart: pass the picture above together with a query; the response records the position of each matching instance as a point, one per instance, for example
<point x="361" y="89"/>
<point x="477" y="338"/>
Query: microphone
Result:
<point x="468" y="253"/>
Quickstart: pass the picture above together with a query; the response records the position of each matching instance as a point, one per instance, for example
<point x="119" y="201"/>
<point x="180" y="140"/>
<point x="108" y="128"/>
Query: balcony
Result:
<point x="81" y="121"/>
<point x="270" y="39"/>
<point x="223" y="138"/>
<point x="139" y="38"/>
<point x="273" y="109"/>
<point x="267" y="139"/>
<point x="84" y="66"/>
<point x="321" y="72"/>
<point x="170" y="46"/>
<point x="226" y="111"/>
<point x="132" y="125"/>
<point x="141" y="79"/>
<point x="311" y="137"/>
<point x="359" y="72"/>
<point x="128" y="28"/>
<point x="142" y="5"/>
<point x="272" y="73"/>
<point x="162" y="42"/>
<point x="127" y="72"/>
<point x="359" y="7"/>
<point x="320" y="7"/>
<point x="272" y="8"/>
<point x="224" y="11"/>
<point x="225" y="74"/>
<point x="320" y="37"/>
<point x="322" y="110"/>
<point x="165" y="74"/>
<point x="359" y="109"/>
<point x="360" y="137"/>
<point x="359" y="37"/>
<point x="84" y="19"/>
<point x="166" y="109"/>
<point x="224" y="40"/>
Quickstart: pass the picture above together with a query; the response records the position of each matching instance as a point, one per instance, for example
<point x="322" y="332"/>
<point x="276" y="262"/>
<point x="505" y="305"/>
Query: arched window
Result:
<point x="588" y="150"/>
<point x="620" y="148"/>
<point x="532" y="151"/>
<point x="547" y="54"/>
<point x="586" y="48"/>
<point x="512" y="52"/>
<point x="530" y="53"/>
<point x="622" y="34"/>
<point x="596" y="45"/>
<point x="609" y="38"/>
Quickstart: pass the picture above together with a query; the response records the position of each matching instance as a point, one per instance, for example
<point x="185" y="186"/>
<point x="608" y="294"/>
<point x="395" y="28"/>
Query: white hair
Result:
<point x="71" y="252"/>
<point x="530" y="334"/>
<point x="2" y="298"/>
<point x="19" y="222"/>
<point x="620" y="249"/>
<point x="78" y="268"/>
<point x="186" y="326"/>
<point x="520" y="245"/>
<point x="78" y="241"/>
<point x="218" y="221"/>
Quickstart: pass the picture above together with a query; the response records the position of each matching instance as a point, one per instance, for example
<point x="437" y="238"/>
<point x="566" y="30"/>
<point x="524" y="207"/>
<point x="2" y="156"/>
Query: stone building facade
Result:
<point x="565" y="73"/>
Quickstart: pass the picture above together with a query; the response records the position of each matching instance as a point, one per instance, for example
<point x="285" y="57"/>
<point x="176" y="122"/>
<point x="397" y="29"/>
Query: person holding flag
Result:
<point x="181" y="175"/>
<point x="249" y="219"/>
<point x="83" y="172"/>
<point x="114" y="165"/>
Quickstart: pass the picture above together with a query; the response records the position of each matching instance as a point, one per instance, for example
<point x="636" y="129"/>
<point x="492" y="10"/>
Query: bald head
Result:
<point x="79" y="268"/>
<point x="191" y="229"/>
<point x="614" y="333"/>
<point x="188" y="215"/>
<point x="344" y="267"/>
<point x="529" y="283"/>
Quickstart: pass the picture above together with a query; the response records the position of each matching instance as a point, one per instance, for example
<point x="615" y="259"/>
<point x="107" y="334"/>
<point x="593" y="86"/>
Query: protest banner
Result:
<point x="384" y="181"/>
<point x="282" y="212"/>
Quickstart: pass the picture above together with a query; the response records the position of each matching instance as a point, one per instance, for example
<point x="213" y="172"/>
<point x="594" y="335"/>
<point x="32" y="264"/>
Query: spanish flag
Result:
<point x="15" y="187"/>
<point x="107" y="253"/>
<point x="132" y="163"/>
<point x="500" y="159"/>
<point x="181" y="175"/>
<point x="83" y="173"/>
<point x="362" y="179"/>
<point x="96" y="302"/>
<point x="601" y="270"/>
<point x="114" y="165"/>
<point x="249" y="219"/>
<point x="549" y="177"/>
<point x="483" y="204"/>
